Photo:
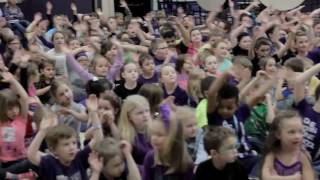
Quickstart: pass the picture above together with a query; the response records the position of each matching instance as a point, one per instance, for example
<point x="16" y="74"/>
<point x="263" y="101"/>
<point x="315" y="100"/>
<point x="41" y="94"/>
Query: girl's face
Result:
<point x="316" y="30"/>
<point x="168" y="75"/>
<point x="13" y="112"/>
<point x="102" y="67"/>
<point x="196" y="36"/>
<point x="247" y="21"/>
<point x="105" y="110"/>
<point x="130" y="72"/>
<point x="162" y="51"/>
<point x="271" y="67"/>
<point x="111" y="54"/>
<point x="291" y="133"/>
<point x="263" y="51"/>
<point x="114" y="167"/>
<point x="139" y="117"/>
<point x="49" y="72"/>
<point x="158" y="135"/>
<point x="148" y="66"/>
<point x="64" y="95"/>
<point x="211" y="64"/>
<point x="190" y="128"/>
<point x="302" y="43"/>
<point x="58" y="39"/>
<point x="188" y="65"/>
<point x="74" y="44"/>
<point x="245" y="42"/>
<point x="221" y="51"/>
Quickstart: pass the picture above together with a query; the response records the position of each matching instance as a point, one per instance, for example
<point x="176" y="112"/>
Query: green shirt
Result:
<point x="256" y="125"/>
<point x="201" y="113"/>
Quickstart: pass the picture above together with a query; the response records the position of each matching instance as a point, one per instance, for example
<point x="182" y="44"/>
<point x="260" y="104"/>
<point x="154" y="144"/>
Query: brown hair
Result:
<point x="214" y="137"/>
<point x="8" y="99"/>
<point x="57" y="133"/>
<point x="107" y="149"/>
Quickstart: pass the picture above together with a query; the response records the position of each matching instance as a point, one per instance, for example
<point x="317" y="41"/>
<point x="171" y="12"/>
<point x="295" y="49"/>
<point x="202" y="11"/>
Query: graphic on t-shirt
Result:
<point x="8" y="134"/>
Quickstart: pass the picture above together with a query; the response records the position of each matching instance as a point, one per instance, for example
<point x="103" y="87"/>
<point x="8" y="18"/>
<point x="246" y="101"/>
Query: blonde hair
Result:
<point x="126" y="128"/>
<point x="194" y="84"/>
<point x="175" y="155"/>
<point x="108" y="148"/>
<point x="184" y="113"/>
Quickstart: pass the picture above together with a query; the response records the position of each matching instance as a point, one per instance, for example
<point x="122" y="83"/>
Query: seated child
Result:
<point x="221" y="144"/>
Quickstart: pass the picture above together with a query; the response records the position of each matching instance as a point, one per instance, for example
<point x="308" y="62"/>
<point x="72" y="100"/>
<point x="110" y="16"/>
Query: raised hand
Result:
<point x="49" y="120"/>
<point x="99" y="12"/>
<point x="95" y="162"/>
<point x="7" y="77"/>
<point x="123" y="4"/>
<point x="37" y="17"/>
<point x="73" y="7"/>
<point x="126" y="147"/>
<point x="49" y="6"/>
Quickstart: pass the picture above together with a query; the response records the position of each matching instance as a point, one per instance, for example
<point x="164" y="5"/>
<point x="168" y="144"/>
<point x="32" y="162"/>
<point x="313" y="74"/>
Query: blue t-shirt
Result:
<point x="311" y="125"/>
<point x="236" y="122"/>
<point x="50" y="168"/>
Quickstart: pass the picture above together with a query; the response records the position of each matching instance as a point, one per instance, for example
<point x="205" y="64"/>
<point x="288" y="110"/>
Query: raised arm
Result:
<point x="133" y="170"/>
<point x="270" y="109"/>
<point x="33" y="154"/>
<point x="299" y="87"/>
<point x="16" y="86"/>
<point x="213" y="92"/>
<point x="117" y="65"/>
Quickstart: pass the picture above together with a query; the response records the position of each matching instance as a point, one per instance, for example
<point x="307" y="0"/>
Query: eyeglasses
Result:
<point x="229" y="148"/>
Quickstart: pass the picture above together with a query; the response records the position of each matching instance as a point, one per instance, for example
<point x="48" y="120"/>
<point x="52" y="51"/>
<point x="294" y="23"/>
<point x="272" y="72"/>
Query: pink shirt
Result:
<point x="12" y="136"/>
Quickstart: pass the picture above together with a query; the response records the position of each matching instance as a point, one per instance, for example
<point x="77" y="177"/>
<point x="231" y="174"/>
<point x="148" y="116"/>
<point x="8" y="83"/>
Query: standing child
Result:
<point x="64" y="161"/>
<point x="14" y="114"/>
<point x="134" y="117"/>
<point x="170" y="158"/>
<point x="130" y="86"/>
<point x="221" y="144"/>
<point x="284" y="155"/>
<point x="168" y="77"/>
<point x="69" y="112"/>
<point x="115" y="161"/>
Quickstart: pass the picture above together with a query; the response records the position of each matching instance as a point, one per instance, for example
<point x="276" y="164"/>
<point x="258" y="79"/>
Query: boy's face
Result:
<point x="130" y="72"/>
<point x="228" y="151"/>
<point x="227" y="107"/>
<point x="114" y="167"/>
<point x="66" y="150"/>
<point x="49" y="71"/>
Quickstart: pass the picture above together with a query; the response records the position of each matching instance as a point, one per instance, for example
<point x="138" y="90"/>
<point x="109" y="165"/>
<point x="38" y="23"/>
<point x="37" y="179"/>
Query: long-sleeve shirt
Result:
<point x="86" y="75"/>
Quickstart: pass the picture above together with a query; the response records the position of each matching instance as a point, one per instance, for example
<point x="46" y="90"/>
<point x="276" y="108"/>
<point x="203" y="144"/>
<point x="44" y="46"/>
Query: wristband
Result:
<point x="96" y="126"/>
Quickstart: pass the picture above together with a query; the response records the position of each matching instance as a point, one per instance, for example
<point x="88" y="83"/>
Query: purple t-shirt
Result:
<point x="311" y="125"/>
<point x="154" y="79"/>
<point x="158" y="172"/>
<point x="141" y="147"/>
<point x="284" y="170"/>
<point x="181" y="96"/>
<point x="50" y="168"/>
<point x="235" y="122"/>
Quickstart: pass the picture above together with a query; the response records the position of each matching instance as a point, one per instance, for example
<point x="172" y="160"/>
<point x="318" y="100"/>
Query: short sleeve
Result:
<point x="243" y="112"/>
<point x="148" y="164"/>
<point x="83" y="156"/>
<point x="303" y="106"/>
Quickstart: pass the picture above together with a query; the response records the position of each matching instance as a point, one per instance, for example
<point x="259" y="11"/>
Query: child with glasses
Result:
<point x="221" y="144"/>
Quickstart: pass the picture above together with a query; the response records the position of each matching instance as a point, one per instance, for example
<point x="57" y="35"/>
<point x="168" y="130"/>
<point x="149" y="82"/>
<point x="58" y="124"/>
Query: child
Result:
<point x="210" y="66"/>
<point x="116" y="161"/>
<point x="64" y="161"/>
<point x="170" y="158"/>
<point x="47" y="74"/>
<point x="69" y="112"/>
<point x="14" y="114"/>
<point x="284" y="155"/>
<point x="130" y="86"/>
<point x="193" y="87"/>
<point x="310" y="114"/>
<point x="133" y="120"/>
<point x="149" y="74"/>
<point x="260" y="48"/>
<point x="201" y="109"/>
<point x="183" y="67"/>
<point x="220" y="51"/>
<point x="168" y="77"/>
<point x="224" y="109"/>
<point x="221" y="144"/>
<point x="193" y="135"/>
<point x="154" y="95"/>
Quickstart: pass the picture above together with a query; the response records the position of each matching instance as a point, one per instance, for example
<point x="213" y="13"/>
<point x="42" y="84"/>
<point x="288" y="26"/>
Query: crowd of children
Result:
<point x="160" y="97"/>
